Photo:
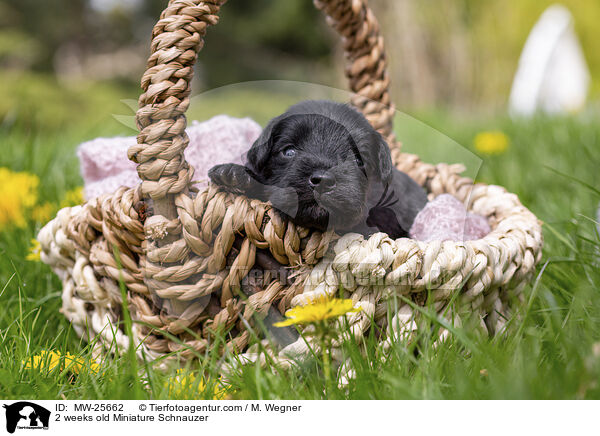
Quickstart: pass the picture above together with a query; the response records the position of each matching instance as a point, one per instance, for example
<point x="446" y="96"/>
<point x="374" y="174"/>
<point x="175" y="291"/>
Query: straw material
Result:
<point x="185" y="257"/>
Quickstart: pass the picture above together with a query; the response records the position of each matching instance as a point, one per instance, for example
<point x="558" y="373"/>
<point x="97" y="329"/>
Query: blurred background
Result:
<point x="62" y="60"/>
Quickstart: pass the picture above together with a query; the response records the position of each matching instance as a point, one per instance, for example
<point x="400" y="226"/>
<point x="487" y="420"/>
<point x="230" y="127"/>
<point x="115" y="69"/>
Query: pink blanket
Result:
<point x="222" y="139"/>
<point x="446" y="219"/>
<point x="105" y="166"/>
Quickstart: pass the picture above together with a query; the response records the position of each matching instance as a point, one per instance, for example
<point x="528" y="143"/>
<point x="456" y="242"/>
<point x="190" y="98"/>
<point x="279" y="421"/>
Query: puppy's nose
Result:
<point x="322" y="181"/>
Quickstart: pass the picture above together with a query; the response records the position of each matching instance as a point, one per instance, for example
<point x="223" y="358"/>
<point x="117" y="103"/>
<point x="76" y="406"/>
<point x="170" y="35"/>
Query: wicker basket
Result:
<point x="185" y="256"/>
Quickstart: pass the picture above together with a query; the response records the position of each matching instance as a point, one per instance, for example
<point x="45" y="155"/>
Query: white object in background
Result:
<point x="552" y="75"/>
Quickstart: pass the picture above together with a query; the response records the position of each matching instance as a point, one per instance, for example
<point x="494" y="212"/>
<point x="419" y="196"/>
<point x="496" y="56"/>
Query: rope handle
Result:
<point x="176" y="40"/>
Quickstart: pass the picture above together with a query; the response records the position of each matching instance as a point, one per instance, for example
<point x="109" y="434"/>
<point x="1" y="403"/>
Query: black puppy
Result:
<point x="322" y="165"/>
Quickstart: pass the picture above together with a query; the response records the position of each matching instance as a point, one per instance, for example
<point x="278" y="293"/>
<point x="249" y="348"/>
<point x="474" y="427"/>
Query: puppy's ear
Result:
<point x="385" y="160"/>
<point x="259" y="153"/>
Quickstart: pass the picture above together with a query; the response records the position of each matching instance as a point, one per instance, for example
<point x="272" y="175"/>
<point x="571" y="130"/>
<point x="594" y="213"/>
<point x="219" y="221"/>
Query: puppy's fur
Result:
<point x="322" y="165"/>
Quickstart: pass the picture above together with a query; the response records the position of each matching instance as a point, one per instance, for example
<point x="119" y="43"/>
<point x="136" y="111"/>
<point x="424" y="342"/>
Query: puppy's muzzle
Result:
<point x="321" y="181"/>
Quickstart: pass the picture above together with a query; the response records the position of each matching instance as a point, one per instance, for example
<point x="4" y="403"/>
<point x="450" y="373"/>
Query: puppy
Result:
<point x="323" y="166"/>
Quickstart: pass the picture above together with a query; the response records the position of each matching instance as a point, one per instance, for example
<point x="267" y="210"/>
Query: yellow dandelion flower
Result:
<point x="493" y="142"/>
<point x="43" y="212"/>
<point x="78" y="365"/>
<point x="73" y="197"/>
<point x="46" y="360"/>
<point x="182" y="382"/>
<point x="35" y="251"/>
<point x="51" y="360"/>
<point x="318" y="310"/>
<point x="18" y="193"/>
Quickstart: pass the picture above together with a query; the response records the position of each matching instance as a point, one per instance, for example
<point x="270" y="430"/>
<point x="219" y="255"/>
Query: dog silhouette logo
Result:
<point x="26" y="415"/>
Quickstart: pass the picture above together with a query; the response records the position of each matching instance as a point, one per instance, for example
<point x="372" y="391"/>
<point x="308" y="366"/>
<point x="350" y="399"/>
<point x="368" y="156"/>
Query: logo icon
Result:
<point x="26" y="415"/>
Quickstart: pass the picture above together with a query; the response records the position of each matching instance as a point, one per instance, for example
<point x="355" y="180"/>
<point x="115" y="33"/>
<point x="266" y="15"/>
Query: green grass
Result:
<point x="551" y="351"/>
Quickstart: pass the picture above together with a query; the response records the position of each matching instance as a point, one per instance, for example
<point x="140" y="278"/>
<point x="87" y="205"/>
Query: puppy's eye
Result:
<point x="288" y="152"/>
<point x="359" y="162"/>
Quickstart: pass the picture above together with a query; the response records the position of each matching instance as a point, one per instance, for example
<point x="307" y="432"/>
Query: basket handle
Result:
<point x="176" y="40"/>
<point x="366" y="64"/>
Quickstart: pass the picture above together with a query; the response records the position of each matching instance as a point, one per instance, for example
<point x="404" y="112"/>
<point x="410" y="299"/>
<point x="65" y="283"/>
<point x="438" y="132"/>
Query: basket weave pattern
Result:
<point x="184" y="256"/>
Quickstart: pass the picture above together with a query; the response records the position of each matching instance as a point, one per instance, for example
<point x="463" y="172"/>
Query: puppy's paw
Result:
<point x="232" y="177"/>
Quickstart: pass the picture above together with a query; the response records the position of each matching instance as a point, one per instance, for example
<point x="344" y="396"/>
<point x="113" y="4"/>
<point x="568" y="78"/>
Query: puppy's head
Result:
<point x="323" y="156"/>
